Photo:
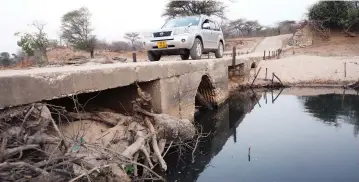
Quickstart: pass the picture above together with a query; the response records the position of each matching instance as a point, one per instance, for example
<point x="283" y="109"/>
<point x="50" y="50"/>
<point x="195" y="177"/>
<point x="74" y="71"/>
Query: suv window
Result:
<point x="181" y="22"/>
<point x="205" y="21"/>
<point x="217" y="26"/>
<point x="212" y="25"/>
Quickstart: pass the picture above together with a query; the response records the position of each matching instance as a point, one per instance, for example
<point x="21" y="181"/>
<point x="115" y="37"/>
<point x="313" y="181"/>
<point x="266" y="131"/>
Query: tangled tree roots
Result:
<point x="100" y="146"/>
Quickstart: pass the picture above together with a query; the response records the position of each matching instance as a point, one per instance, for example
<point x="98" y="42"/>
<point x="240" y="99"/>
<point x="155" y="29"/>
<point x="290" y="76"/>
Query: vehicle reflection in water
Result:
<point x="219" y="126"/>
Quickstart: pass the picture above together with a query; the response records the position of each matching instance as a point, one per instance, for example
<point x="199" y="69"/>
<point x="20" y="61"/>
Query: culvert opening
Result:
<point x="117" y="99"/>
<point x="254" y="65"/>
<point x="205" y="96"/>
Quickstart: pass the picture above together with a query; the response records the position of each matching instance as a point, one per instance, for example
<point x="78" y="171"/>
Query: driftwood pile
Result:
<point x="41" y="142"/>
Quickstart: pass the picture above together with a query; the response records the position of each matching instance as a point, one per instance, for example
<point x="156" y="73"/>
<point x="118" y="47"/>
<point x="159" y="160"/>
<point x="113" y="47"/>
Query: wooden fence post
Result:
<point x="266" y="74"/>
<point x="345" y="69"/>
<point x="134" y="57"/>
<point x="269" y="54"/>
<point x="264" y="56"/>
<point x="234" y="56"/>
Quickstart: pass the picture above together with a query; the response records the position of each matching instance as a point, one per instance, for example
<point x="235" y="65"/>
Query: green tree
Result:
<point x="35" y="43"/>
<point x="194" y="7"/>
<point x="335" y="14"/>
<point x="76" y="30"/>
<point x="238" y="25"/>
<point x="132" y="37"/>
<point x="5" y="59"/>
<point x="251" y="26"/>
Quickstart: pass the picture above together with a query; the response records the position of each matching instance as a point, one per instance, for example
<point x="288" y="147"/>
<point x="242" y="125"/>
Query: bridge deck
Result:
<point x="19" y="87"/>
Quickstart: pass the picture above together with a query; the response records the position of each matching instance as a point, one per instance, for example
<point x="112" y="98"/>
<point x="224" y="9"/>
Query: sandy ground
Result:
<point x="304" y="69"/>
<point x="322" y="64"/>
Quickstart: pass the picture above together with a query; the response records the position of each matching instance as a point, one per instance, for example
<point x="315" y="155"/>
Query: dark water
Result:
<point x="294" y="139"/>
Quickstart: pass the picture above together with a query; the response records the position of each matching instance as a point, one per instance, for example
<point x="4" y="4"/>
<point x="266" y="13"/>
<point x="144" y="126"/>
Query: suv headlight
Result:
<point x="181" y="31"/>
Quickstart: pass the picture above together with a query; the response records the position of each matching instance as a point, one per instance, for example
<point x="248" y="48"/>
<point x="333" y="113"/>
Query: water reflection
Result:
<point x="221" y="125"/>
<point x="275" y="138"/>
<point x="334" y="108"/>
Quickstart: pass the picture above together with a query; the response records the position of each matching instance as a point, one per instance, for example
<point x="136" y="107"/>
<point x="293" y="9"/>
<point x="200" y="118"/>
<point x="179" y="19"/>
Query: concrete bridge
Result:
<point x="172" y="84"/>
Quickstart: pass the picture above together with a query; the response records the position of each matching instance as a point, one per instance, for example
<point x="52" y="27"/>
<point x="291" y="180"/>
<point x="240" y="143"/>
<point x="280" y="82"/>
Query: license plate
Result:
<point x="161" y="44"/>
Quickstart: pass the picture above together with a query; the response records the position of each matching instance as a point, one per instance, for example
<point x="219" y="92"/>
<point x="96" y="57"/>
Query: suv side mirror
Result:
<point x="205" y="26"/>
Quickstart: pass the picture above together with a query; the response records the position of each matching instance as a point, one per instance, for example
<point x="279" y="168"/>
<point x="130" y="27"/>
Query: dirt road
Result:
<point x="272" y="43"/>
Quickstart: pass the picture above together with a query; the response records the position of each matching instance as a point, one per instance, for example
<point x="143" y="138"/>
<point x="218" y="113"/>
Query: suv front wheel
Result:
<point x="152" y="56"/>
<point x="219" y="51"/>
<point x="196" y="50"/>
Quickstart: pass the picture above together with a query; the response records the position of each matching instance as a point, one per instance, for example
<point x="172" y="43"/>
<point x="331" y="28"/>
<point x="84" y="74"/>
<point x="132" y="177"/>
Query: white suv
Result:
<point x="186" y="36"/>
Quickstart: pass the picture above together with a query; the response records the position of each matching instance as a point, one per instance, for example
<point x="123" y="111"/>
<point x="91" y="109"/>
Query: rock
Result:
<point x="301" y="38"/>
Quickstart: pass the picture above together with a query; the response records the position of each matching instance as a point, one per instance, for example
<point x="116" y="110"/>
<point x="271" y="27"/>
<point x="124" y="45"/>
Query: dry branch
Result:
<point x="89" y="172"/>
<point x="277" y="78"/>
<point x="155" y="145"/>
<point x="126" y="140"/>
<point x="255" y="77"/>
<point x="24" y="165"/>
<point x="175" y="128"/>
<point x="147" y="156"/>
<point x="133" y="148"/>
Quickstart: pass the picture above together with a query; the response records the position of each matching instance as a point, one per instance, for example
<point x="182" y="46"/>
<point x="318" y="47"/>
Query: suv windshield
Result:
<point x="181" y="22"/>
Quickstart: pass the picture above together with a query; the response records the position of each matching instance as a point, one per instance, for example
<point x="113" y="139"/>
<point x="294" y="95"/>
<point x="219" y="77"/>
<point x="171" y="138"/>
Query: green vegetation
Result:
<point x="5" y="59"/>
<point x="194" y="7"/>
<point x="36" y="43"/>
<point x="336" y="14"/>
<point x="76" y="30"/>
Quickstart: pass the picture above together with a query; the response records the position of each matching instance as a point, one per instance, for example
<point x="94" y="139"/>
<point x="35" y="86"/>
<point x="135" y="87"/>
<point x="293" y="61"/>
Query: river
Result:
<point x="264" y="138"/>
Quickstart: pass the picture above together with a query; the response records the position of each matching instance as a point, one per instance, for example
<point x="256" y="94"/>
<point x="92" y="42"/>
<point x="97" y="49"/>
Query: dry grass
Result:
<point x="338" y="45"/>
<point x="20" y="65"/>
<point x="61" y="55"/>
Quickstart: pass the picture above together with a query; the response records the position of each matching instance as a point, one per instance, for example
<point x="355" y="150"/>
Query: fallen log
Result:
<point x="174" y="128"/>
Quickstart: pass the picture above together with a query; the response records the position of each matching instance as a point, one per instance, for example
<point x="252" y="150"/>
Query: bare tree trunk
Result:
<point x="92" y="53"/>
<point x="133" y="46"/>
<point x="44" y="57"/>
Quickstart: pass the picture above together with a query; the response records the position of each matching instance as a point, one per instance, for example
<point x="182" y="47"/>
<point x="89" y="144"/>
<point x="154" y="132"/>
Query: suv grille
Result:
<point x="162" y="34"/>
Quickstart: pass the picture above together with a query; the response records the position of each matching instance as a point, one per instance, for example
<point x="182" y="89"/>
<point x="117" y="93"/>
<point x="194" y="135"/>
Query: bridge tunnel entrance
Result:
<point x="114" y="99"/>
<point x="206" y="95"/>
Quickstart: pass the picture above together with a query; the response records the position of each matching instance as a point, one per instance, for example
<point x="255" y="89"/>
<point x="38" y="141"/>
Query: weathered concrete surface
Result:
<point x="174" y="86"/>
<point x="174" y="92"/>
<point x="26" y="86"/>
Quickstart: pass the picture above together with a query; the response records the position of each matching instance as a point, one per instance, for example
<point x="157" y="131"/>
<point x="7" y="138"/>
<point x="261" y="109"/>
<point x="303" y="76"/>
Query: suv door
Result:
<point x="214" y="35"/>
<point x="218" y="33"/>
<point x="206" y="35"/>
